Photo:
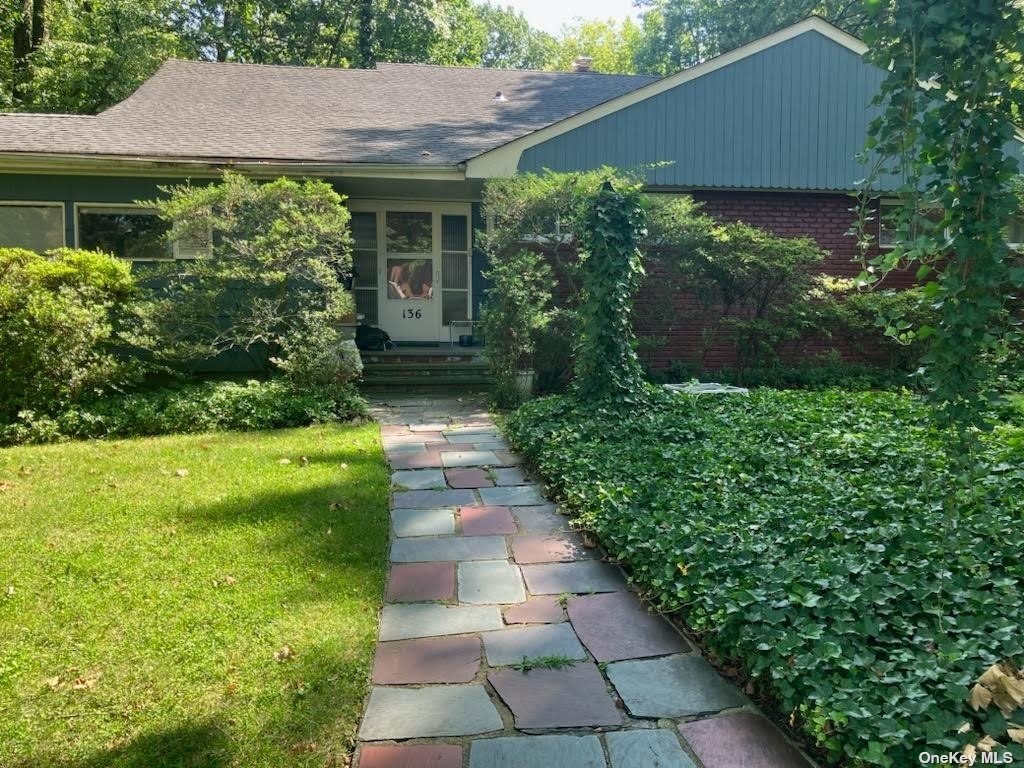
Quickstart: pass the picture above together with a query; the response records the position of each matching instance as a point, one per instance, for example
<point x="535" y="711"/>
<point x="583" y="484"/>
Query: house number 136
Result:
<point x="412" y="314"/>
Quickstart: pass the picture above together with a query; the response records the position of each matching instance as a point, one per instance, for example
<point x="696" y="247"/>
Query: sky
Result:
<point x="550" y="15"/>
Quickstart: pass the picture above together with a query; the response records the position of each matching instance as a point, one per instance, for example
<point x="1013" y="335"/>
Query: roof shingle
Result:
<point x="396" y="113"/>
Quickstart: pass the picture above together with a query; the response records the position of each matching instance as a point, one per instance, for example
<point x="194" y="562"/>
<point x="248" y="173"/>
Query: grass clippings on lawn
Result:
<point x="202" y="600"/>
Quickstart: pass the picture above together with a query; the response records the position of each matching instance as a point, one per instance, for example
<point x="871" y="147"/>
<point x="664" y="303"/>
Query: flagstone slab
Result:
<point x="744" y="739"/>
<point x="672" y="686"/>
<point x="543" y="518"/>
<point x="464" y="438"/>
<point x="394" y="429"/>
<point x="617" y="626"/>
<point x="422" y="459"/>
<point x="536" y="610"/>
<point x="438" y="710"/>
<point x="411" y="437"/>
<point x="405" y="622"/>
<point x="513" y="495"/>
<point x="557" y="548"/>
<point x="556" y="698"/>
<point x="490" y="582"/>
<point x="405" y="449"/>
<point x="511" y="476"/>
<point x="468" y="478"/>
<point x="427" y="660"/>
<point x="419" y="479"/>
<point x="647" y="749"/>
<point x="468" y="458"/>
<point x="479" y="427"/>
<point x="483" y="521"/>
<point x="432" y="499"/>
<point x="429" y="426"/>
<point x="492" y="445"/>
<point x="416" y="582"/>
<point x="581" y="577"/>
<point x="537" y="752"/>
<point x="423" y="522"/>
<point x="508" y="458"/>
<point x="410" y="756"/>
<point x="425" y="549"/>
<point x="511" y="646"/>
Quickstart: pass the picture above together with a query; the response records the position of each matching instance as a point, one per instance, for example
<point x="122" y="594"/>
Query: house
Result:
<point x="768" y="133"/>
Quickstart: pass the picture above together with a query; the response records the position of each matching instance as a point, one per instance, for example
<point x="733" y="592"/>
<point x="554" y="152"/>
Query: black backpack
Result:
<point x="373" y="339"/>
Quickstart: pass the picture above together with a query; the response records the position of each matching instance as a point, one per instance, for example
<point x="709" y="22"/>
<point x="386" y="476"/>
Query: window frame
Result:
<point x="117" y="206"/>
<point x="46" y="204"/>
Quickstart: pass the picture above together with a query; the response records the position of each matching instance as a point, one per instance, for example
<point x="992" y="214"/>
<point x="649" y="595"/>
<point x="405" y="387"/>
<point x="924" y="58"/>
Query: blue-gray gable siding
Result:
<point x="793" y="116"/>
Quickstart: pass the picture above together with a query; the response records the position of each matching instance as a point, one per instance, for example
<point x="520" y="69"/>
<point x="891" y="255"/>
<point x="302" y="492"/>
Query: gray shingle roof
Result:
<point x="396" y="113"/>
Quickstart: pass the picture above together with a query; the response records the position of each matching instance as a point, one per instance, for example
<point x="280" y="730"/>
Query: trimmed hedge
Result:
<point x="797" y="532"/>
<point x="203" y="407"/>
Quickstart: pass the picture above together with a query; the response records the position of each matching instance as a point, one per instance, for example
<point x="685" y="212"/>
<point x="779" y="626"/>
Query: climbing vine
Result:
<point x="611" y="269"/>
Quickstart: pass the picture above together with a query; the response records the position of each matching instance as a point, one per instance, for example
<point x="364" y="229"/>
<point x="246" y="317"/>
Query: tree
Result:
<point x="613" y="46"/>
<point x="274" y="277"/>
<point x="509" y="40"/>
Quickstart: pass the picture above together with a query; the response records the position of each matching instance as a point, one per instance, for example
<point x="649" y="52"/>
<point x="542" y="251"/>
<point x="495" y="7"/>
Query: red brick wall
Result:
<point x="825" y="217"/>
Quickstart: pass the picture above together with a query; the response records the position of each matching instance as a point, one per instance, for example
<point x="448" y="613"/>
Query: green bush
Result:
<point x="802" y="535"/>
<point x="204" y="407"/>
<point x="59" y="318"/>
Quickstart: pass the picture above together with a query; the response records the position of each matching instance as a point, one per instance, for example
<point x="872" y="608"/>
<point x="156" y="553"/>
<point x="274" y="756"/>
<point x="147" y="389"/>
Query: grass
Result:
<point x="189" y="600"/>
<point x="543" y="662"/>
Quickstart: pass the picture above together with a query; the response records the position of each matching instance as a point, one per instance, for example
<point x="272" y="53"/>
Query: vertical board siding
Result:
<point x="794" y="116"/>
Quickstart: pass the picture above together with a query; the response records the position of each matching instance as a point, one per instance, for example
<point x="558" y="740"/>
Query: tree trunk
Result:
<point x="222" y="44"/>
<point x="22" y="47"/>
<point x="39" y="30"/>
<point x="365" y="52"/>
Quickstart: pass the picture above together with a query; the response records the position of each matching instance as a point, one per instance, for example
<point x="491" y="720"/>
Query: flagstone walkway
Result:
<point x="486" y="576"/>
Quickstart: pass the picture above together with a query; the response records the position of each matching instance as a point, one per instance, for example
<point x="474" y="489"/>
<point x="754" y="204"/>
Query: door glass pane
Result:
<point x="454" y="306"/>
<point x="455" y="270"/>
<point x="410" y="279"/>
<point x="364" y="230"/>
<point x="365" y="265"/>
<point x="410" y="232"/>
<point x="454" y="233"/>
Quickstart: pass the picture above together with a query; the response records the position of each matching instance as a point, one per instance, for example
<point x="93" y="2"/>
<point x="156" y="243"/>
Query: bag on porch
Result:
<point x="373" y="339"/>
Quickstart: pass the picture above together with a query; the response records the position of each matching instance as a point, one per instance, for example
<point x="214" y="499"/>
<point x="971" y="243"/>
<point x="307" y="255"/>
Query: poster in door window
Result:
<point x="410" y="279"/>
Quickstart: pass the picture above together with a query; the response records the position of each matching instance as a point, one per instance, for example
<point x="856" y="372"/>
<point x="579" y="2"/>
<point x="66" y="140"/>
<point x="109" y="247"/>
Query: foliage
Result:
<point x="189" y="408"/>
<point x="842" y="592"/>
<point x="158" y="578"/>
<point x="611" y="271"/>
<point x="611" y="45"/>
<point x="512" y="315"/>
<point x="508" y="40"/>
<point x="946" y="145"/>
<point x="553" y="357"/>
<point x="274" y="277"/>
<point x="60" y="315"/>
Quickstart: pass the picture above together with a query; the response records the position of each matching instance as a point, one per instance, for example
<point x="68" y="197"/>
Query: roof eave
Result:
<point x="124" y="165"/>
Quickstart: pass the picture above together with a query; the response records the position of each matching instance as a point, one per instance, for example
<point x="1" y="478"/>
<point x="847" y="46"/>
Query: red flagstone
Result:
<point x="427" y="660"/>
<point x="394" y="429"/>
<point x="423" y="460"/>
<point x="550" y="548"/>
<point x="570" y="697"/>
<point x="742" y="739"/>
<point x="415" y="582"/>
<point x="485" y="521"/>
<point x="616" y="626"/>
<point x="468" y="478"/>
<point x="536" y="610"/>
<point x="411" y="756"/>
<point x="439" y="445"/>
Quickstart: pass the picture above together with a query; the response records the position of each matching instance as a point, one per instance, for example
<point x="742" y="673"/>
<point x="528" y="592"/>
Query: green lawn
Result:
<point x="147" y="585"/>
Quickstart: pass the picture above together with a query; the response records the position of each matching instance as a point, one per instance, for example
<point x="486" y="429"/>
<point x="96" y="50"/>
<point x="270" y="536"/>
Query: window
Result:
<point x="364" y="264"/>
<point x="35" y="226"/>
<point x="454" y="269"/>
<point x="410" y="232"/>
<point x="888" y="210"/>
<point x="127" y="232"/>
<point x="1015" y="232"/>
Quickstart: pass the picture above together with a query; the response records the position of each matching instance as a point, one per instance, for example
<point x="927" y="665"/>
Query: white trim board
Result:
<point x="504" y="160"/>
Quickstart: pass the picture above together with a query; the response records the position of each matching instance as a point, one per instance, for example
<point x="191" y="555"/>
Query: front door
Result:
<point x="412" y="264"/>
<point x="409" y="276"/>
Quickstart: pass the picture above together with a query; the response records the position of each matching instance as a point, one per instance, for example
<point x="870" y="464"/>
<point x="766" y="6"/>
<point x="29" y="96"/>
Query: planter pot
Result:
<point x="524" y="382"/>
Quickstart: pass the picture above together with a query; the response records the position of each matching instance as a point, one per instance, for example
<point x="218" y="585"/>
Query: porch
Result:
<point x="440" y="364"/>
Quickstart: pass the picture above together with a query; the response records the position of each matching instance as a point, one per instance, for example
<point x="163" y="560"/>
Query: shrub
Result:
<point x="203" y="407"/>
<point x="803" y="535"/>
<point x="274" y="276"/>
<point x="553" y="359"/>
<point x="60" y="314"/>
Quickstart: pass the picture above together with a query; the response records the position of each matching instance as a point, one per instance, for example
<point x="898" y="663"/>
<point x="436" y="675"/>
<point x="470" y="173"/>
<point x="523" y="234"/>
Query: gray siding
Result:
<point x="794" y="116"/>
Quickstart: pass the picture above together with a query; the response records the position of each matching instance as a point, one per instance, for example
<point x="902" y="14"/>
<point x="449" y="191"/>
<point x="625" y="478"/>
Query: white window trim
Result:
<point x="47" y="204"/>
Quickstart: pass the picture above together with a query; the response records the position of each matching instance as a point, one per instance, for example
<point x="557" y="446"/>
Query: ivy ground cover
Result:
<point x="802" y="534"/>
<point x="200" y="600"/>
